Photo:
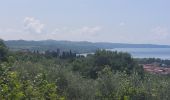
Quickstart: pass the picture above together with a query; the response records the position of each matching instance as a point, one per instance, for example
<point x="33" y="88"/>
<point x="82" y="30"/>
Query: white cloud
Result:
<point x="11" y="33"/>
<point x="78" y="31"/>
<point x="10" y="30"/>
<point x="84" y="33"/>
<point x="1" y="30"/>
<point x="160" y="33"/>
<point x="33" y="25"/>
<point x="122" y="24"/>
<point x="89" y="30"/>
<point x="63" y="30"/>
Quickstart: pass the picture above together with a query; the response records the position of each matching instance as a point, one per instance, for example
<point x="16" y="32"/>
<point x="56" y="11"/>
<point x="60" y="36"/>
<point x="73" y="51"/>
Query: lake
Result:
<point x="163" y="53"/>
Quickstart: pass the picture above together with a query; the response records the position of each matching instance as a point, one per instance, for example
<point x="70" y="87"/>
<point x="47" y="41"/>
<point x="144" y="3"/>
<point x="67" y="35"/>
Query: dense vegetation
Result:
<point x="105" y="75"/>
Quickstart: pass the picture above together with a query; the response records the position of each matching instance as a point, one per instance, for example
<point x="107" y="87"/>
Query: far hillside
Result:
<point x="78" y="47"/>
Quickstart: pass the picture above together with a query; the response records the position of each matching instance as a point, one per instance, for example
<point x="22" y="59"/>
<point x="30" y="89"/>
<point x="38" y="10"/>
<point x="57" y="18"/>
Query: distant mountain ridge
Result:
<point x="80" y="47"/>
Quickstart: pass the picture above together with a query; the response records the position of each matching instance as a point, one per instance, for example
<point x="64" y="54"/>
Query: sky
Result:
<point x="116" y="21"/>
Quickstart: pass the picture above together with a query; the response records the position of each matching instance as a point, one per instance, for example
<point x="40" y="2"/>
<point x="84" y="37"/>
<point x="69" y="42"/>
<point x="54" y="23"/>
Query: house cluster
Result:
<point x="157" y="68"/>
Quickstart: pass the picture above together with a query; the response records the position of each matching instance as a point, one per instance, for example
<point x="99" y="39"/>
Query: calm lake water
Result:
<point x="163" y="53"/>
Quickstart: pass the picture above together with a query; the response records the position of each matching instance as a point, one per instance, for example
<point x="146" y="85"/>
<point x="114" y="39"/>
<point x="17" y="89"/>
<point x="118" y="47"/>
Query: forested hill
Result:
<point x="80" y="47"/>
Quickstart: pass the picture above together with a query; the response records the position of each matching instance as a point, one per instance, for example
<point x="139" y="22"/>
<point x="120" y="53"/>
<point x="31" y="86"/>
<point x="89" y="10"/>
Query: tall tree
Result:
<point x="3" y="51"/>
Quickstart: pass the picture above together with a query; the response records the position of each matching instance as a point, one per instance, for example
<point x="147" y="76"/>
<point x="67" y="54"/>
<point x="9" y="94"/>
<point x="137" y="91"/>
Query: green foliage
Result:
<point x="10" y="84"/>
<point x="103" y="76"/>
<point x="117" y="61"/>
<point x="3" y="51"/>
<point x="14" y="87"/>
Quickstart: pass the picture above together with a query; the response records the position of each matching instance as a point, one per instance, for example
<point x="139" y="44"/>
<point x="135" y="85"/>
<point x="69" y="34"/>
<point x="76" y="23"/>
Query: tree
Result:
<point x="3" y="51"/>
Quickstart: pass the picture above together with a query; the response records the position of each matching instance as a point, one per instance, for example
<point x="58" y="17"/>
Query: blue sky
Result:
<point x="123" y="21"/>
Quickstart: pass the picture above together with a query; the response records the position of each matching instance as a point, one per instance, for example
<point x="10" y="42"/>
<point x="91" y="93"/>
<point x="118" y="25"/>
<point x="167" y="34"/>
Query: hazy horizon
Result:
<point x="89" y="42"/>
<point x="114" y="21"/>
